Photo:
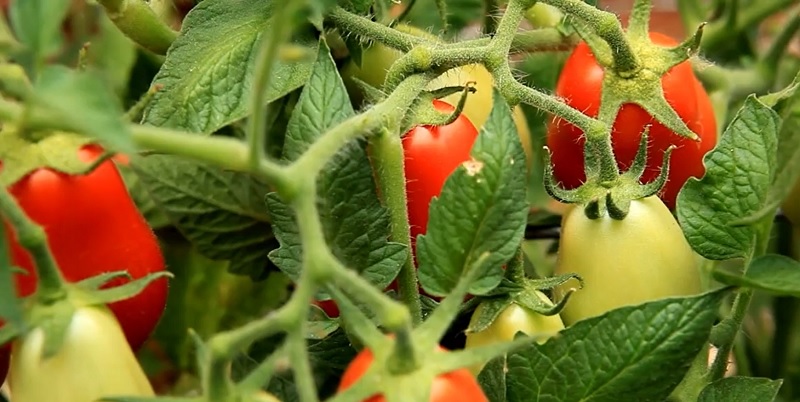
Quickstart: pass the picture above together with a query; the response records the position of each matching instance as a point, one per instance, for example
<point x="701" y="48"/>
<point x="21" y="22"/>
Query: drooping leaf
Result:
<point x="741" y="389"/>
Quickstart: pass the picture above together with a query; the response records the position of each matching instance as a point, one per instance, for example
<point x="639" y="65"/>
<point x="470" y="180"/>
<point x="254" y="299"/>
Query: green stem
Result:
<point x="403" y="359"/>
<point x="388" y="162"/>
<point x="543" y="39"/>
<point x="51" y="285"/>
<point x="216" y="382"/>
<point x="301" y="367"/>
<point x="719" y="32"/>
<point x="506" y="30"/>
<point x="393" y="38"/>
<point x="510" y="87"/>
<point x="268" y="51"/>
<point x="137" y="20"/>
<point x="608" y="27"/>
<point x="740" y="305"/>
<point x="777" y="49"/>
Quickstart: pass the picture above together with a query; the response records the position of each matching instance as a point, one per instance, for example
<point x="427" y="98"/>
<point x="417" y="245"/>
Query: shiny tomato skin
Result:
<point x="455" y="386"/>
<point x="641" y="258"/>
<point x="580" y="85"/>
<point x="329" y="307"/>
<point x="432" y="153"/>
<point x="93" y="227"/>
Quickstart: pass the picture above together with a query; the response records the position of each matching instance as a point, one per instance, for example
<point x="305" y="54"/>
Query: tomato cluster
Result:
<point x="580" y="85"/>
<point x="92" y="227"/>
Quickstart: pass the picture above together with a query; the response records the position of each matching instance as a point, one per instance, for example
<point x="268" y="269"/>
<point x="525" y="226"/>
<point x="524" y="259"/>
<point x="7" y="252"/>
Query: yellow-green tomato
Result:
<point x="513" y="319"/>
<point x="94" y="362"/>
<point x="543" y="15"/>
<point x="641" y="258"/>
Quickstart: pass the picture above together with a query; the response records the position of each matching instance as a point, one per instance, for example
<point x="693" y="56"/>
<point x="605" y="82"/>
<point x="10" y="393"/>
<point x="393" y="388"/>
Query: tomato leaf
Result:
<point x="741" y="389"/>
<point x="776" y="274"/>
<point x="37" y="25"/>
<point x="208" y="72"/>
<point x="79" y="102"/>
<point x="634" y="353"/>
<point x="224" y="221"/>
<point x="481" y="212"/>
<point x="493" y="379"/>
<point x="345" y="187"/>
<point x="739" y="172"/>
<point x="460" y="13"/>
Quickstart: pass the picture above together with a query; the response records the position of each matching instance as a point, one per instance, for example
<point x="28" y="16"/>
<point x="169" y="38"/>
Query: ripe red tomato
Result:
<point x="455" y="386"/>
<point x="432" y="153"/>
<point x="580" y="85"/>
<point x="93" y="227"/>
<point x="329" y="307"/>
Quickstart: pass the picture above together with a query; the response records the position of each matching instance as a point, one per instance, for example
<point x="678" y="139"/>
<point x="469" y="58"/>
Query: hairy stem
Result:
<point x="137" y="21"/>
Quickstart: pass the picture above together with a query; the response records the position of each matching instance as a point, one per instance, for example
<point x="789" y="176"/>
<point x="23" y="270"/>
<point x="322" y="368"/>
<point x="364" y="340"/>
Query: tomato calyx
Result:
<point x="614" y="196"/>
<point x="429" y="110"/>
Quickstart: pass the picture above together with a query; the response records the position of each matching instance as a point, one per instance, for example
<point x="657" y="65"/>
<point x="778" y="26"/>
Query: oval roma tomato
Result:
<point x="455" y="386"/>
<point x="641" y="258"/>
<point x="95" y="361"/>
<point x="93" y="227"/>
<point x="580" y="85"/>
<point x="432" y="153"/>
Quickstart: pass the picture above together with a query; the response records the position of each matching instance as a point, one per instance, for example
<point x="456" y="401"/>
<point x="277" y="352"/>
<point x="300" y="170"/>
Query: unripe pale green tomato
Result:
<point x="95" y="361"/>
<point x="641" y="258"/>
<point x="513" y="319"/>
<point x="377" y="60"/>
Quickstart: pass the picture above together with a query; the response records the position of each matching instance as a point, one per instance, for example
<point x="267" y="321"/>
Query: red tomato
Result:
<point x="329" y="307"/>
<point x="580" y="84"/>
<point x="93" y="227"/>
<point x="455" y="386"/>
<point x="432" y="153"/>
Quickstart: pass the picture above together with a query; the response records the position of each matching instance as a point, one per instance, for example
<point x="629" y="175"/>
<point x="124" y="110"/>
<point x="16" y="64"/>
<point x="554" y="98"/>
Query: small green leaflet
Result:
<point x="355" y="224"/>
<point x="739" y="173"/>
<point x="481" y="212"/>
<point x="37" y="26"/>
<point x="776" y="274"/>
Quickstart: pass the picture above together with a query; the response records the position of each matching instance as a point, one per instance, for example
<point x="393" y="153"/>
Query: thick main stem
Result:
<point x="137" y="21"/>
<point x="388" y="162"/>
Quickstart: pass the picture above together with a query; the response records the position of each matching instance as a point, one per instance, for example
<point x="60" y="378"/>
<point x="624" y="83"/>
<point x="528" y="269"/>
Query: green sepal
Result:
<point x="117" y="293"/>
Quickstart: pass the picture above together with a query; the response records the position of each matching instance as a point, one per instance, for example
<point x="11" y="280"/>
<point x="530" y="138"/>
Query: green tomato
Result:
<point x="514" y="319"/>
<point x="641" y="258"/>
<point x="94" y="362"/>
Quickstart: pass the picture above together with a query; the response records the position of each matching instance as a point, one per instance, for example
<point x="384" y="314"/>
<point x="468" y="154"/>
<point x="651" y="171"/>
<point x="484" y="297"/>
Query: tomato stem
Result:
<point x="393" y="38"/>
<point x="51" y="285"/>
<point x="403" y="359"/>
<point x="140" y="23"/>
<point x="719" y="33"/>
<point x="270" y="43"/>
<point x="388" y="163"/>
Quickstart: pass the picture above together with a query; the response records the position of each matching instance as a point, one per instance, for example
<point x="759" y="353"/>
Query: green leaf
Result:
<point x="739" y="172"/>
<point x="113" y="55"/>
<point x="333" y="353"/>
<point x="79" y="102"/>
<point x="460" y="14"/>
<point x="776" y="274"/>
<point x="493" y="379"/>
<point x="355" y="224"/>
<point x="634" y="353"/>
<point x="208" y="72"/>
<point x="741" y="389"/>
<point x="221" y="212"/>
<point x="361" y="7"/>
<point x="155" y="217"/>
<point x="490" y="310"/>
<point x="481" y="212"/>
<point x="37" y="26"/>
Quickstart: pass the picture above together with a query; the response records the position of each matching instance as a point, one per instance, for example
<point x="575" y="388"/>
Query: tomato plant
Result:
<point x="432" y="153"/>
<point x="459" y="385"/>
<point x="94" y="228"/>
<point x="580" y="84"/>
<point x="642" y="258"/>
<point x="329" y="307"/>
<point x="791" y="205"/>
<point x="94" y="361"/>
